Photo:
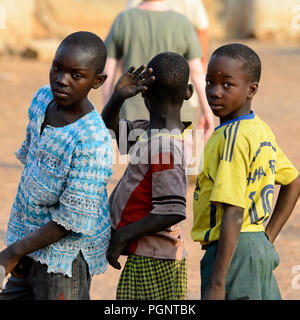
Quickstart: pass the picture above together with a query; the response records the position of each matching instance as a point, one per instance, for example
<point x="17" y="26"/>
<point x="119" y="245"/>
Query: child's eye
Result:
<point x="54" y="68"/>
<point x="77" y="75"/>
<point x="227" y="84"/>
<point x="208" y="82"/>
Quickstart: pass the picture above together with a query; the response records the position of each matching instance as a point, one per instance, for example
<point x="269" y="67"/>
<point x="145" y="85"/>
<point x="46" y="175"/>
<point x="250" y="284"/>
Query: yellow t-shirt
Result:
<point x="242" y="163"/>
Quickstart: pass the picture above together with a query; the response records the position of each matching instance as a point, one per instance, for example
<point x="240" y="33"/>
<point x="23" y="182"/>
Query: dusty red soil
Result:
<point x="277" y="102"/>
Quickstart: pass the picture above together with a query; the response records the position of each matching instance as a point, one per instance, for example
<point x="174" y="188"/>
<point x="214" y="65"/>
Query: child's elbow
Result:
<point x="293" y="188"/>
<point x="296" y="184"/>
<point x="235" y="214"/>
<point x="176" y="218"/>
<point x="239" y="217"/>
<point x="181" y="218"/>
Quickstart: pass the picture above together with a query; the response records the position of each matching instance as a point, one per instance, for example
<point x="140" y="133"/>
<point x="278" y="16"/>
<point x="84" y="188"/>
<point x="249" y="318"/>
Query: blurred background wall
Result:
<point x="277" y="20"/>
<point x="34" y="28"/>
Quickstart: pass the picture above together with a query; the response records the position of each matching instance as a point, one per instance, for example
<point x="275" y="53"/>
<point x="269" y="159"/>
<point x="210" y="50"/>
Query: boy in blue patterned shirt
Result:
<point x="59" y="227"/>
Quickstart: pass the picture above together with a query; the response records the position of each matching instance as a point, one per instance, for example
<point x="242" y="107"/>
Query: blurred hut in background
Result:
<point x="34" y="28"/>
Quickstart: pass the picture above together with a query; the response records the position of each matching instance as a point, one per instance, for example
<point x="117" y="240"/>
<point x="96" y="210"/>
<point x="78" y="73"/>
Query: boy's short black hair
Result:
<point x="91" y="43"/>
<point x="171" y="73"/>
<point x="248" y="57"/>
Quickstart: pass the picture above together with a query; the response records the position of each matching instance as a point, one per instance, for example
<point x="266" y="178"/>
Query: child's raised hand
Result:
<point x="133" y="81"/>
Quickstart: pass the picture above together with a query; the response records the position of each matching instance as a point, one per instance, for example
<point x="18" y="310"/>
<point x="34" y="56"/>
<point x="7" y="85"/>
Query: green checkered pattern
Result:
<point x="145" y="278"/>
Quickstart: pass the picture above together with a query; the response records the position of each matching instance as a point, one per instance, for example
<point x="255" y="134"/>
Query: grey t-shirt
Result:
<point x="136" y="36"/>
<point x="154" y="182"/>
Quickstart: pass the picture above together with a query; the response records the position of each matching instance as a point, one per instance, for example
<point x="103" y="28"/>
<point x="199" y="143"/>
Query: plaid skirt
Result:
<point x="145" y="278"/>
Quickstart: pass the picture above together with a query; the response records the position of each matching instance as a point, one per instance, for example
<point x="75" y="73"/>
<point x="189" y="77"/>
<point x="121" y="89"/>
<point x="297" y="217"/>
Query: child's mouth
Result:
<point x="60" y="94"/>
<point x="216" y="107"/>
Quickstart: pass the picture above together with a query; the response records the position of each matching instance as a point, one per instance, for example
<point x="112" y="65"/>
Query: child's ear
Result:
<point x="100" y="78"/>
<point x="253" y="87"/>
<point x="189" y="91"/>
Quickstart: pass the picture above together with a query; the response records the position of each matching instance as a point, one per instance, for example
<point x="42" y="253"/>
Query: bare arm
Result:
<point x="111" y="113"/>
<point x="150" y="224"/>
<point x="287" y="198"/>
<point x="203" y="38"/>
<point x="229" y="236"/>
<point x="198" y="79"/>
<point x="51" y="232"/>
<point x="111" y="68"/>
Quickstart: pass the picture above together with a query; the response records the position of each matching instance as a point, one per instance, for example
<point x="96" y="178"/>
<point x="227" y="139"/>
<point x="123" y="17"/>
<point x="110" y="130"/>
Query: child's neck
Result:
<point x="168" y="119"/>
<point x="240" y="112"/>
<point x="78" y="109"/>
<point x="59" y="116"/>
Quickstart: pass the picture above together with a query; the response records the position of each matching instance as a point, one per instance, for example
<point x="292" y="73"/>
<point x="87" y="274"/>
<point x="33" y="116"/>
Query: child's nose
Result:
<point x="216" y="91"/>
<point x="62" y="79"/>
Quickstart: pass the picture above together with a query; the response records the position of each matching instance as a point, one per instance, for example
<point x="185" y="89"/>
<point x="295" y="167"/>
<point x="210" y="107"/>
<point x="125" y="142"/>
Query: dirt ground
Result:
<point x="277" y="102"/>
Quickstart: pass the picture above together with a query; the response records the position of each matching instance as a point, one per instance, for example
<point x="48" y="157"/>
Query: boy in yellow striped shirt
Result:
<point x="234" y="192"/>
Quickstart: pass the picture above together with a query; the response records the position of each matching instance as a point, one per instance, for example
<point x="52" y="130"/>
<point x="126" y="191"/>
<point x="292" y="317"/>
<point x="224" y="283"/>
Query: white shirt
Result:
<point x="194" y="10"/>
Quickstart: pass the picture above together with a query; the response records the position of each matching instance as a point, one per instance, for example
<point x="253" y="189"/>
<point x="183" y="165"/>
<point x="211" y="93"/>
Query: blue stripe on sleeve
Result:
<point x="233" y="142"/>
<point x="228" y="143"/>
<point x="225" y="135"/>
<point x="213" y="210"/>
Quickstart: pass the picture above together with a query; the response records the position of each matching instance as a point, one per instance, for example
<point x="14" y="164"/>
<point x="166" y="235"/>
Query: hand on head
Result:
<point x="134" y="81"/>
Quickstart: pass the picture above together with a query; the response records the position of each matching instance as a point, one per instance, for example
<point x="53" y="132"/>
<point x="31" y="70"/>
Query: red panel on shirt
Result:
<point x="139" y="204"/>
<point x="162" y="161"/>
